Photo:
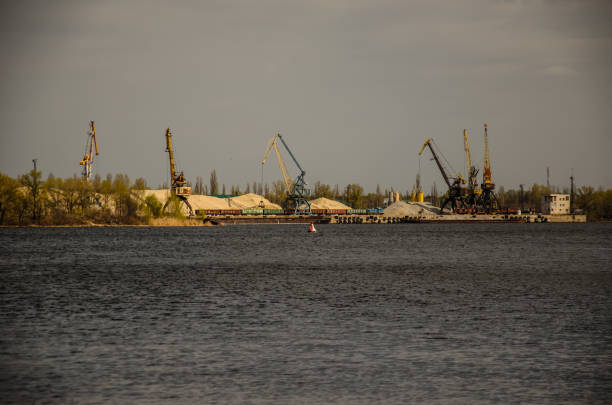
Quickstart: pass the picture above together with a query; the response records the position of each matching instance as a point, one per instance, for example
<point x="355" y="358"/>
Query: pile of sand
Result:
<point x="327" y="204"/>
<point x="251" y="200"/>
<point x="428" y="207"/>
<point x="206" y="202"/>
<point x="402" y="209"/>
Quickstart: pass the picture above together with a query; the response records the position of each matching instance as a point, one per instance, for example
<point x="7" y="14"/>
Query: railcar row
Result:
<point x="480" y="211"/>
<point x="259" y="211"/>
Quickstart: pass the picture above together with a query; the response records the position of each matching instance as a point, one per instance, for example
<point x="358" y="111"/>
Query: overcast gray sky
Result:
<point x="355" y="87"/>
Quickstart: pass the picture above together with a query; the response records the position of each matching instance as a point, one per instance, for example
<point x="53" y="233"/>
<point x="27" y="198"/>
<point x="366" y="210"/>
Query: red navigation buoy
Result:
<point x="312" y="228"/>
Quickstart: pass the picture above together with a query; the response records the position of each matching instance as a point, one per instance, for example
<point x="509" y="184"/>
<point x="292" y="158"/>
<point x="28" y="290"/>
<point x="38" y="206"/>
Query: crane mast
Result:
<point x="171" y="156"/>
<point x="177" y="181"/>
<point x="488" y="200"/>
<point x="88" y="158"/>
<point x="466" y="146"/>
<point x="178" y="184"/>
<point x="487" y="179"/>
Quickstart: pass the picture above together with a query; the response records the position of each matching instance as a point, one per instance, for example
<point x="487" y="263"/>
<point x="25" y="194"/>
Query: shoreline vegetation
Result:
<point x="157" y="222"/>
<point x="28" y="200"/>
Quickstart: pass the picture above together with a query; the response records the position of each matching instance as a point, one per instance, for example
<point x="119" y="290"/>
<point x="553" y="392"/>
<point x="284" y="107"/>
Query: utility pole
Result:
<point x="35" y="161"/>
<point x="572" y="192"/>
<point x="521" y="197"/>
<point x="548" y="178"/>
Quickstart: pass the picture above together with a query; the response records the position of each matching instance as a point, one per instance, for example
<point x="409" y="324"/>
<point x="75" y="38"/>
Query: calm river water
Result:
<point x="355" y="314"/>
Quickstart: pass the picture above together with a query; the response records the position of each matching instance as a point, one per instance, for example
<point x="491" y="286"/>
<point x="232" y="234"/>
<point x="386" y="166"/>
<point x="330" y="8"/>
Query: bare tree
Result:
<point x="199" y="186"/>
<point x="214" y="183"/>
<point x="33" y="184"/>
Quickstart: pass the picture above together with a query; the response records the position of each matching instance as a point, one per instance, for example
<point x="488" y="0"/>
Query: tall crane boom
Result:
<point x="466" y="146"/>
<point x="487" y="178"/>
<point x="171" y="156"/>
<point x="177" y="181"/>
<point x="472" y="172"/>
<point x="488" y="200"/>
<point x="88" y="158"/>
<point x="437" y="159"/>
<point x="286" y="178"/>
<point x="302" y="172"/>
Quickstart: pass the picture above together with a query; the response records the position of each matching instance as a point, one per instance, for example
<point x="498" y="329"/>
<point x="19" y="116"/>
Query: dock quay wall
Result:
<point x="382" y="219"/>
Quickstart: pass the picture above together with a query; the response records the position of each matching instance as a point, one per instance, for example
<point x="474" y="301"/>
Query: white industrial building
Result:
<point x="556" y="204"/>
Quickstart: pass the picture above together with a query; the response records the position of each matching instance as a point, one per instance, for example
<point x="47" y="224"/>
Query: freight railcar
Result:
<point x="218" y="212"/>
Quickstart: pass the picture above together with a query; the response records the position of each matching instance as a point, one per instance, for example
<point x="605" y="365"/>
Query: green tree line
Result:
<point x="29" y="200"/>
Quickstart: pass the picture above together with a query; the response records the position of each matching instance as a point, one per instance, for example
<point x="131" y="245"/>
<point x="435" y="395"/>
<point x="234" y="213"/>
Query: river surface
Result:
<point x="354" y="314"/>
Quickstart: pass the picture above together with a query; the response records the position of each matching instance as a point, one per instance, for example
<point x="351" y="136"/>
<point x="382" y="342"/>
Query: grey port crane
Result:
<point x="296" y="190"/>
<point x="178" y="184"/>
<point x="456" y="193"/>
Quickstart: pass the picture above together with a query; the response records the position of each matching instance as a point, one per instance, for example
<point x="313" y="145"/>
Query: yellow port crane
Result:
<point x="286" y="178"/>
<point x="471" y="170"/>
<point x="88" y="158"/>
<point x="178" y="184"/>
<point x="488" y="199"/>
<point x="296" y="190"/>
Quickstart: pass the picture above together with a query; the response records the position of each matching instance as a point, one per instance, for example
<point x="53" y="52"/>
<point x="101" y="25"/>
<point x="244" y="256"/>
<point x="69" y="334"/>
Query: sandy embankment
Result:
<point x="177" y="222"/>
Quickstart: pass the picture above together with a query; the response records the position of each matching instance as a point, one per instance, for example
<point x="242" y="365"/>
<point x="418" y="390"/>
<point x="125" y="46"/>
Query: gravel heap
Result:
<point x="402" y="209"/>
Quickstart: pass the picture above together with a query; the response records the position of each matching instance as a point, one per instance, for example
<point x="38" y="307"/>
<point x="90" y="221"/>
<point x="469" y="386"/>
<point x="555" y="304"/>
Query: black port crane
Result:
<point x="456" y="193"/>
<point x="296" y="190"/>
